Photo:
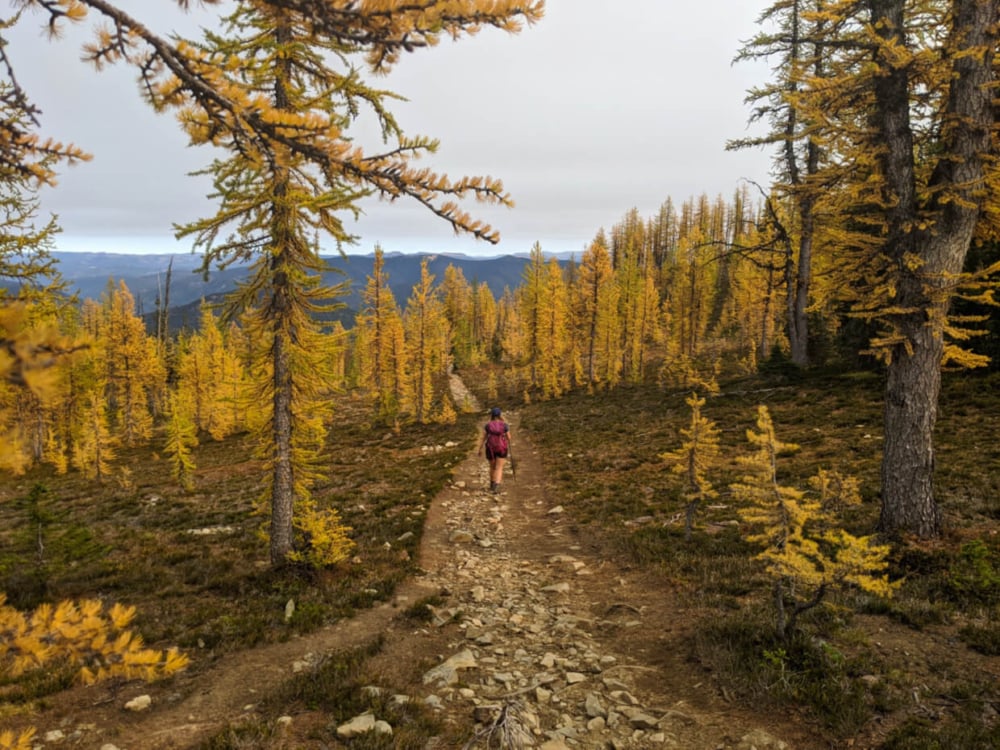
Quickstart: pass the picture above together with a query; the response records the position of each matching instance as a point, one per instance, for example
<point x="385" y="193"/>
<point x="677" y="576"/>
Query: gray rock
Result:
<point x="593" y="707"/>
<point x="357" y="726"/>
<point x="447" y="673"/>
<point x="758" y="739"/>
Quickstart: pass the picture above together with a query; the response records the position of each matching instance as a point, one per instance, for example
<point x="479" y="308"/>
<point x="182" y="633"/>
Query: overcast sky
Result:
<point x="599" y="108"/>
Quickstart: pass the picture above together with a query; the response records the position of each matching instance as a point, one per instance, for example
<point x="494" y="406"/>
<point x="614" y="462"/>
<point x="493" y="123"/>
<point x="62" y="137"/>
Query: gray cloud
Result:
<point x="584" y="116"/>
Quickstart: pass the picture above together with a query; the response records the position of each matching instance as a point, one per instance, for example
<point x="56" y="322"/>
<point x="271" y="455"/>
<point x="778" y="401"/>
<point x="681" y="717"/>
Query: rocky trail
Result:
<point x="546" y="645"/>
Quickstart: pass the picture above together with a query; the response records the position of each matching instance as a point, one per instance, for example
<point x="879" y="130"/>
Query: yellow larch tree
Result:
<point x="180" y="436"/>
<point x="427" y="341"/>
<point x="638" y="298"/>
<point x="531" y="311"/>
<point x="459" y="303"/>
<point x="378" y="334"/>
<point x="484" y="322"/>
<point x="135" y="377"/>
<point x="697" y="457"/>
<point x="95" y="445"/>
<point x="804" y="548"/>
<point x="212" y="377"/>
<point x="905" y="108"/>
<point x="595" y="306"/>
<point x="553" y="335"/>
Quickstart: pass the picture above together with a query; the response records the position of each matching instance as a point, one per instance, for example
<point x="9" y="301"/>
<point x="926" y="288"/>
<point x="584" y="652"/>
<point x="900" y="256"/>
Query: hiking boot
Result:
<point x="493" y="486"/>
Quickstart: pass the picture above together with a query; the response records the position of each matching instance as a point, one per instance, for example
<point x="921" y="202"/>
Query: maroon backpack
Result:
<point x="496" y="437"/>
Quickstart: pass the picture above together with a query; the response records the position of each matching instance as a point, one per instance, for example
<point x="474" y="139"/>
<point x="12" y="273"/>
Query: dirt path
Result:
<point x="578" y="652"/>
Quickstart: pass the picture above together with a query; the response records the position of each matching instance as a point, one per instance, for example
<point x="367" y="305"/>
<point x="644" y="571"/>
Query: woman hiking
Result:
<point x="496" y="442"/>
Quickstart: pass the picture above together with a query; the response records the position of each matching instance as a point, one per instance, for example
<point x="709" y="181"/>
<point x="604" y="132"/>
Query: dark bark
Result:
<point x="280" y="315"/>
<point x="913" y="378"/>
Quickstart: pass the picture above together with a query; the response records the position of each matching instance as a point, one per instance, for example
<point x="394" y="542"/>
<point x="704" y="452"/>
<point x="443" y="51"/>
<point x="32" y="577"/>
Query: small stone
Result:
<point x="357" y="726"/>
<point x="639" y="719"/>
<point x="597" y="724"/>
<point x="758" y="739"/>
<point x="593" y="708"/>
<point x="434" y="702"/>
<point x="556" y="588"/>
<point x="447" y="673"/>
<point x="624" y="696"/>
<point x="139" y="704"/>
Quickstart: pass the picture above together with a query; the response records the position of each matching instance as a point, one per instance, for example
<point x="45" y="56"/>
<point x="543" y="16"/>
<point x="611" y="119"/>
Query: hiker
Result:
<point x="496" y="442"/>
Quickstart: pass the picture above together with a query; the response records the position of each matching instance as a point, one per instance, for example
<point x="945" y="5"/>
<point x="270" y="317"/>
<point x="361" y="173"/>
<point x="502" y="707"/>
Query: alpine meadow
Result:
<point x="753" y="481"/>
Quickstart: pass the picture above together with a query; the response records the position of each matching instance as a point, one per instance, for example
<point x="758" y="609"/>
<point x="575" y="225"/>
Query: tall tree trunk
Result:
<point x="914" y="379"/>
<point x="911" y="394"/>
<point x="283" y="479"/>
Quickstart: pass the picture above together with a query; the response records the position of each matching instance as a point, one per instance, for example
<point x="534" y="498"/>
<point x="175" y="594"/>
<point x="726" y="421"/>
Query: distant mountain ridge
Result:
<point x="87" y="274"/>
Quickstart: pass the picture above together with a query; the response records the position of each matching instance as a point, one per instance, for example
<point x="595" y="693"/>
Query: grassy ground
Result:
<point x="194" y="564"/>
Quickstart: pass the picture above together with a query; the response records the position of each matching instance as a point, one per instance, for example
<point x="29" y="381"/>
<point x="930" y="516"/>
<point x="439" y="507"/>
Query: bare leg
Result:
<point x="496" y="471"/>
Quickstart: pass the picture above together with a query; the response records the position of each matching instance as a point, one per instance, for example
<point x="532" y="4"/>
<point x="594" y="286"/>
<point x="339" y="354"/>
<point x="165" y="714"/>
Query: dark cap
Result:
<point x="495" y="411"/>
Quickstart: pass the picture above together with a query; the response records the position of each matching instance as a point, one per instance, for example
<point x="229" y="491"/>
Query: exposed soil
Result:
<point x="634" y="621"/>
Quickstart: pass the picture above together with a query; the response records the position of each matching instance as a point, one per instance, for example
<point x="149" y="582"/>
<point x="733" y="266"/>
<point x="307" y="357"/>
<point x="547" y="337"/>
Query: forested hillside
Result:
<point x="175" y="280"/>
<point x="778" y="401"/>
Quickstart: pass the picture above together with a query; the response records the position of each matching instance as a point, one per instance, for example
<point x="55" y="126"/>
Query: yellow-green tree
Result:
<point x="378" y="341"/>
<point x="554" y="349"/>
<point x="427" y="341"/>
<point x="638" y="299"/>
<point x="804" y="548"/>
<point x="595" y="305"/>
<point x="531" y="311"/>
<point x="271" y="203"/>
<point x="459" y="307"/>
<point x="95" y="446"/>
<point x="181" y="435"/>
<point x="695" y="459"/>
<point x="484" y="322"/>
<point x="211" y="376"/>
<point x="796" y="49"/>
<point x="134" y="374"/>
<point x="906" y="110"/>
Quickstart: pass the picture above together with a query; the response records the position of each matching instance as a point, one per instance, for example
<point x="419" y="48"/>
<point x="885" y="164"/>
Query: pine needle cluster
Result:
<point x="85" y="634"/>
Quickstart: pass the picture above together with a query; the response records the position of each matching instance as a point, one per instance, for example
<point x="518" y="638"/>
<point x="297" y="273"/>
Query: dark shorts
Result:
<point x="490" y="455"/>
